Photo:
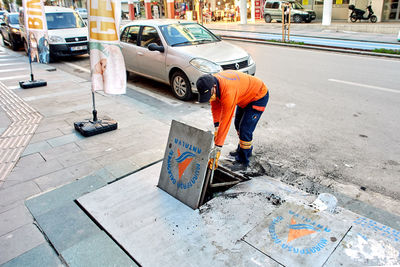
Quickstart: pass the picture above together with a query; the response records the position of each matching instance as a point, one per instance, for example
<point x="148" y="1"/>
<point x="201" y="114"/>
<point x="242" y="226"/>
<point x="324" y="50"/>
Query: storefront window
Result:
<point x="391" y="10"/>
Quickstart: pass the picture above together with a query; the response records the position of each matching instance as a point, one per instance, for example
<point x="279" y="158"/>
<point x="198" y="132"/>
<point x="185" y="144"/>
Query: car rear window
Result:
<point x="64" y="20"/>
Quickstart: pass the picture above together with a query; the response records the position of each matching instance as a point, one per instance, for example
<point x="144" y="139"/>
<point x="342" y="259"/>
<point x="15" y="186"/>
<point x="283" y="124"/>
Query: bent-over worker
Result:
<point x="226" y="91"/>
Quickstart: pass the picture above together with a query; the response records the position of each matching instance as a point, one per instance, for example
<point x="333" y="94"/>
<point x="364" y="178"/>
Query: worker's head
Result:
<point x="205" y="85"/>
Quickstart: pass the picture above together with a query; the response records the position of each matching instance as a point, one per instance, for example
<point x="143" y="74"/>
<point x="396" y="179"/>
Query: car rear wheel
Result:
<point x="181" y="86"/>
<point x="297" y="19"/>
<point x="268" y="18"/>
<point x="14" y="45"/>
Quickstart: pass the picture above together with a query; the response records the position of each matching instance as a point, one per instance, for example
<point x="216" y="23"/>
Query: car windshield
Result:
<point x="64" y="20"/>
<point x="13" y="19"/>
<point x="297" y="6"/>
<point x="187" y="34"/>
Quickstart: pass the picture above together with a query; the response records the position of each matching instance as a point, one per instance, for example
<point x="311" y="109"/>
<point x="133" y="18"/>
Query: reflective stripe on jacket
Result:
<point x="235" y="88"/>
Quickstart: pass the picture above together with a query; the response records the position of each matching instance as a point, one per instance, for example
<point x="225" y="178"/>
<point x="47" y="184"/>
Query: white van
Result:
<point x="68" y="33"/>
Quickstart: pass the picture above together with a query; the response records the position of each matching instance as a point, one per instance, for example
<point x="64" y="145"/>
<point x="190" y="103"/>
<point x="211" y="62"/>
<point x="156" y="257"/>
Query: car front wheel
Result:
<point x="181" y="86"/>
<point x="4" y="42"/>
<point x="268" y="18"/>
<point x="297" y="19"/>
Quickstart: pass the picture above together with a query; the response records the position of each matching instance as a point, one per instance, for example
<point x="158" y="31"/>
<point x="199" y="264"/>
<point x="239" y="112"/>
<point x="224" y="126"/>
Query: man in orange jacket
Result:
<point x="226" y="91"/>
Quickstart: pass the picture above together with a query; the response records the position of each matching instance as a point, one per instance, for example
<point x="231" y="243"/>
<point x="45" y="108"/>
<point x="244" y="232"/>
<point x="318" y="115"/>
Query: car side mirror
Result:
<point x="156" y="47"/>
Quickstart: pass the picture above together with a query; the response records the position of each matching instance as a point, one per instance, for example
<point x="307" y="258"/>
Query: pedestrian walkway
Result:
<point x="337" y="35"/>
<point x="41" y="223"/>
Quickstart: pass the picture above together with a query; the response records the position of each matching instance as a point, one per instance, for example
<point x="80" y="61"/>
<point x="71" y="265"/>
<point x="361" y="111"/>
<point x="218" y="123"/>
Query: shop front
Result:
<point x="391" y="10"/>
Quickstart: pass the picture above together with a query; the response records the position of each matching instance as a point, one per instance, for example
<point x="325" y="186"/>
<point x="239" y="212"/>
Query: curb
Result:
<point x="308" y="36"/>
<point x="359" y="52"/>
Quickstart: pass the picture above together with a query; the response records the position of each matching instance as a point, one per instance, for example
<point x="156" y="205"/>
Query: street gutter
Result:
<point x="315" y="47"/>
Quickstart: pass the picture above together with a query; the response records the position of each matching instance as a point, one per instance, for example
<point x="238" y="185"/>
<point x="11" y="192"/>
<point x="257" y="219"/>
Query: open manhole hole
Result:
<point x="222" y="180"/>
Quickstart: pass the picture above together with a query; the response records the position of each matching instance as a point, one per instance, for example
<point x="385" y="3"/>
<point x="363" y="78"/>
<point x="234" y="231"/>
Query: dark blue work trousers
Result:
<point x="246" y="120"/>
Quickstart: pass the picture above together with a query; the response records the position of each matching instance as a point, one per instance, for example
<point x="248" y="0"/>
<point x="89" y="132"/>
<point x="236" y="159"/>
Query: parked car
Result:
<point x="68" y="33"/>
<point x="82" y="12"/>
<point x="10" y="31"/>
<point x="298" y="14"/>
<point x="178" y="53"/>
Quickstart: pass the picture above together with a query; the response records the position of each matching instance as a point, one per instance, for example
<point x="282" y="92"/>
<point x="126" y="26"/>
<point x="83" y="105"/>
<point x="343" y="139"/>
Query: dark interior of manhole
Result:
<point x="223" y="180"/>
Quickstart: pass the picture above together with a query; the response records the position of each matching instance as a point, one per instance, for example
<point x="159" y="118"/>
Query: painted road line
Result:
<point x="13" y="87"/>
<point x="7" y="70"/>
<point x="366" y="86"/>
<point x="9" y="59"/>
<point x="8" y="64"/>
<point x="77" y="67"/>
<point x="14" y="77"/>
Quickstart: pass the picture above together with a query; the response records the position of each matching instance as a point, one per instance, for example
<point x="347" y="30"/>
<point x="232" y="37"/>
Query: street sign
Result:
<point x="185" y="163"/>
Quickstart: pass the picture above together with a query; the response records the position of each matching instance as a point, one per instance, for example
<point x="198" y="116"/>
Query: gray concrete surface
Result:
<point x="242" y="226"/>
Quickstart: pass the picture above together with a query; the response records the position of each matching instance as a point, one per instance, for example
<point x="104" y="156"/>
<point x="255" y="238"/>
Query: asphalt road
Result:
<point x="332" y="119"/>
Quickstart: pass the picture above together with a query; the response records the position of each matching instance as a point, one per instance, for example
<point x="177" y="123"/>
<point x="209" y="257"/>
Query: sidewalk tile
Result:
<point x="19" y="241"/>
<point x="85" y="168"/>
<point x="65" y="139"/>
<point x="29" y="161"/>
<point x="14" y="218"/>
<point x="66" y="226"/>
<point x="46" y="126"/>
<point x="40" y="256"/>
<point x="148" y="156"/>
<point x="60" y="196"/>
<point x="54" y="179"/>
<point x="18" y="192"/>
<point x="38" y="137"/>
<point x="7" y="207"/>
<point x="121" y="167"/>
<point x="98" y="250"/>
<point x="36" y="147"/>
<point x="60" y="151"/>
<point x="105" y="175"/>
<point x="26" y="173"/>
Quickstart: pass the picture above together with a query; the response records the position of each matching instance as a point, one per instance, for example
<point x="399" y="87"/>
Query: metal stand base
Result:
<point x="32" y="84"/>
<point x="90" y="128"/>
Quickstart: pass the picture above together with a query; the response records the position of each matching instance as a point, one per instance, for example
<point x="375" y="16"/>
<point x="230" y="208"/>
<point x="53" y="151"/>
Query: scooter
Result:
<point x="358" y="14"/>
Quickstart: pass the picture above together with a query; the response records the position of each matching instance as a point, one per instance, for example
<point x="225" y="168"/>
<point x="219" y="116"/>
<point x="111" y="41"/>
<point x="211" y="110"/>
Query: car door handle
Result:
<point x="140" y="53"/>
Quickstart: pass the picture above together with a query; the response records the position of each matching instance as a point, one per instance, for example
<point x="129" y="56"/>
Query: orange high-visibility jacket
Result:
<point x="236" y="88"/>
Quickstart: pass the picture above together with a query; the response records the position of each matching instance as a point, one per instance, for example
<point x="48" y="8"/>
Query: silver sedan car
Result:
<point x="178" y="53"/>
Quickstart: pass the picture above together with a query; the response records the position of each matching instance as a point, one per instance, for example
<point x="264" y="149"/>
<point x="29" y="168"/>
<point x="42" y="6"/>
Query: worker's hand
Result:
<point x="214" y="155"/>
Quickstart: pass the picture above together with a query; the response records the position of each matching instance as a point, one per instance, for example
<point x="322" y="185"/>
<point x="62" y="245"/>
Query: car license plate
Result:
<point x="77" y="48"/>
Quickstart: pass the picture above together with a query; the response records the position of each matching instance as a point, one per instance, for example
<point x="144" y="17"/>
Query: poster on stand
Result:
<point x="36" y="30"/>
<point x="106" y="60"/>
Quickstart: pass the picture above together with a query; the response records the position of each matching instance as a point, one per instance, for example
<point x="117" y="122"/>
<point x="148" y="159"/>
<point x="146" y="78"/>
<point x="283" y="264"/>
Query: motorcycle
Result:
<point x="358" y="14"/>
